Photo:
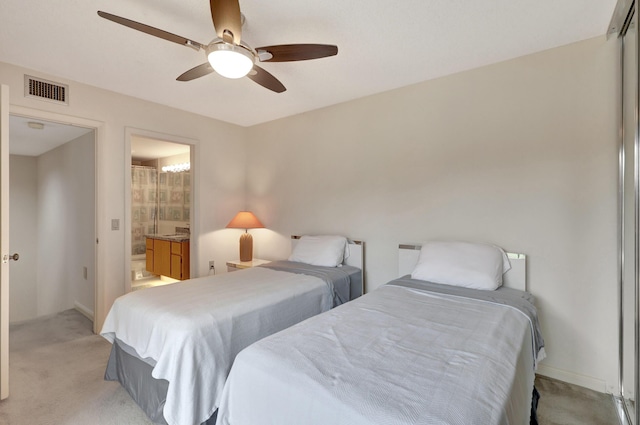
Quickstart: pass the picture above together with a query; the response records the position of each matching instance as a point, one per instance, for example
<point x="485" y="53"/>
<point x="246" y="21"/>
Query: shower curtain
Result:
<point x="144" y="192"/>
<point x="174" y="196"/>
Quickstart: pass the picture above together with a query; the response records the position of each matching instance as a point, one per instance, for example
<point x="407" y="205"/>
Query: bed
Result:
<point x="409" y="352"/>
<point x="173" y="345"/>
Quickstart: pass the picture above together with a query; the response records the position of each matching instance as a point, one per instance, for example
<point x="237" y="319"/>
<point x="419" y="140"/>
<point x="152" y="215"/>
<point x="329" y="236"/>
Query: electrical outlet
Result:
<point x="211" y="265"/>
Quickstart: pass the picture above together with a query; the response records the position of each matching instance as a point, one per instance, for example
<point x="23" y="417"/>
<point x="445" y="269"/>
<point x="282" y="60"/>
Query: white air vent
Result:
<point x="46" y="90"/>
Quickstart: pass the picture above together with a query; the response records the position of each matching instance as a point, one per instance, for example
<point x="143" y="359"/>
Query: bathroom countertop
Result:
<point x="175" y="237"/>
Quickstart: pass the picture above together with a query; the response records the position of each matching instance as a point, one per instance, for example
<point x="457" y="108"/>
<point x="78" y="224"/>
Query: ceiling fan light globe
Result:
<point x="230" y="61"/>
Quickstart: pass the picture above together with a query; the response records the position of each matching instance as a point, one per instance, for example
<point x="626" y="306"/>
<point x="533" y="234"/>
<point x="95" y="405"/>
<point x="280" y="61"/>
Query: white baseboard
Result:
<point x="574" y="378"/>
<point x="88" y="313"/>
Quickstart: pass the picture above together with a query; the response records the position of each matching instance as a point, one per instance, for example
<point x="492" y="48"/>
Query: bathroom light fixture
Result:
<point x="35" y="125"/>
<point x="177" y="168"/>
<point x="245" y="220"/>
<point x="229" y="60"/>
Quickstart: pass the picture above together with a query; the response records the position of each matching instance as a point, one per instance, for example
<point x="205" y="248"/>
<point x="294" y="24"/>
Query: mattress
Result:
<point x="405" y="353"/>
<point x="190" y="332"/>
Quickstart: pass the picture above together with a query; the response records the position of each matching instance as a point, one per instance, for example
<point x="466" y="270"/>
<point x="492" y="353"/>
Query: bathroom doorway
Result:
<point x="161" y="205"/>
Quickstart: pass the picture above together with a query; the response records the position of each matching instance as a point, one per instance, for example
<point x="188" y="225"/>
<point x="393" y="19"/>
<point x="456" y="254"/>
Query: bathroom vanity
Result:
<point x="168" y="255"/>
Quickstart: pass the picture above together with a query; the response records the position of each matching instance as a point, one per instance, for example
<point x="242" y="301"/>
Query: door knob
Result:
<point x="14" y="257"/>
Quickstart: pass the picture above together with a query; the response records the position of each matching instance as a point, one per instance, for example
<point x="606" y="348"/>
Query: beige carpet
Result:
<point x="57" y="368"/>
<point x="566" y="404"/>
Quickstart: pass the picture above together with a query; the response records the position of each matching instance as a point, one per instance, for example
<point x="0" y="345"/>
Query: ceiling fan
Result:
<point x="227" y="54"/>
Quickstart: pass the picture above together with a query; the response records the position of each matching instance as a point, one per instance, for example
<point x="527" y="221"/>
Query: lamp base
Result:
<point x="246" y="247"/>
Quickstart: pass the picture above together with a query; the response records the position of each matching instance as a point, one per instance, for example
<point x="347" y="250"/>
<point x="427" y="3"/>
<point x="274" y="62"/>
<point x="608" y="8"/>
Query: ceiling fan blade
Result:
<point x="297" y="52"/>
<point x="227" y="19"/>
<point x="196" y="72"/>
<point x="266" y="80"/>
<point x="151" y="30"/>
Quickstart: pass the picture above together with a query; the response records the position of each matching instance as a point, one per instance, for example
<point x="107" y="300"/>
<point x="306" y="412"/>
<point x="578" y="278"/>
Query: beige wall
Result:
<point x="522" y="154"/>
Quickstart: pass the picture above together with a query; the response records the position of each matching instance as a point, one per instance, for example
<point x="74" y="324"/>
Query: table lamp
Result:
<point x="245" y="220"/>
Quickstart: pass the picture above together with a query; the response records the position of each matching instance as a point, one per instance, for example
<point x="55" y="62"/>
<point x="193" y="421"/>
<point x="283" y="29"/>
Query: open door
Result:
<point x="4" y="241"/>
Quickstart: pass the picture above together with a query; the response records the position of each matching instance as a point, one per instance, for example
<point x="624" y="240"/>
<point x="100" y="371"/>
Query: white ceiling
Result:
<point x="382" y="45"/>
<point x="27" y="141"/>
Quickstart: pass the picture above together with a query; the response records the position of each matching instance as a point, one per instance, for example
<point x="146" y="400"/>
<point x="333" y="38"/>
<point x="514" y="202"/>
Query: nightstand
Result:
<point x="234" y="265"/>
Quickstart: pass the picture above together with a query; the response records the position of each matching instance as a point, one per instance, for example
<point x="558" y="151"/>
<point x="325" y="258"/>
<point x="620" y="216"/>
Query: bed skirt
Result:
<point x="134" y="374"/>
<point x="534" y="407"/>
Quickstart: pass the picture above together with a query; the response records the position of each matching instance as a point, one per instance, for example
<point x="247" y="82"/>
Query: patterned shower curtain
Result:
<point x="144" y="190"/>
<point x="174" y="191"/>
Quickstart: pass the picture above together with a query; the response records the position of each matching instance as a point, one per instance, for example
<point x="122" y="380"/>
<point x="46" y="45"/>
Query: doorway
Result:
<point x="161" y="206"/>
<point x="52" y="188"/>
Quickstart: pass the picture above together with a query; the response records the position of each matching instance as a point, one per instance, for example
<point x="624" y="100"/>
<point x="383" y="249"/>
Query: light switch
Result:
<point x="115" y="224"/>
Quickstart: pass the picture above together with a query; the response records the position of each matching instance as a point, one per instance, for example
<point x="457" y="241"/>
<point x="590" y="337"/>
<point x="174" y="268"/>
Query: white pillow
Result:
<point x="466" y="264"/>
<point x="323" y="250"/>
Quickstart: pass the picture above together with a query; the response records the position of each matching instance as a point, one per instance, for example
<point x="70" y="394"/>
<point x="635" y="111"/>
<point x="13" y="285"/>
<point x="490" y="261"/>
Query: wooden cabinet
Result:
<point x="180" y="260"/>
<point x="150" y="255"/>
<point x="168" y="258"/>
<point x="162" y="257"/>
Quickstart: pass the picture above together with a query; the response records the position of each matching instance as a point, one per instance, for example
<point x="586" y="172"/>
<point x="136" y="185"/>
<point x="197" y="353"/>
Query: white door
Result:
<point x="4" y="241"/>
